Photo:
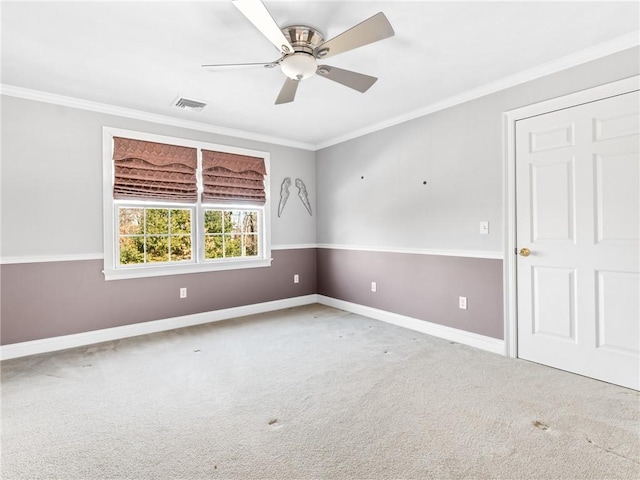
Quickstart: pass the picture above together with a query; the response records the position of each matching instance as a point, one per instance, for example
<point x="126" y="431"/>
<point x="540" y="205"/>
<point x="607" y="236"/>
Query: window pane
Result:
<point x="233" y="245"/>
<point x="131" y="221"/>
<point x="180" y="247"/>
<point x="131" y="250"/>
<point x="213" y="221"/>
<point x="230" y="220"/>
<point x="213" y="246"/>
<point x="180" y="221"/>
<point x="157" y="249"/>
<point x="157" y="220"/>
<point x="251" y="245"/>
<point x="250" y="222"/>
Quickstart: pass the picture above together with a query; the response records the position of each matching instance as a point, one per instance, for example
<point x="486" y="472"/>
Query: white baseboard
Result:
<point x="52" y="344"/>
<point x="489" y="344"/>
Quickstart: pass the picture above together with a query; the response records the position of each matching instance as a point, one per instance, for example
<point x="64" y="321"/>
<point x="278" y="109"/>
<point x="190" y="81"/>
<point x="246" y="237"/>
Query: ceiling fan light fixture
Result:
<point x="299" y="66"/>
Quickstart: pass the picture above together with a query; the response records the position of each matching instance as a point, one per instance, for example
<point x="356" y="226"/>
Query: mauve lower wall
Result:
<point x="41" y="300"/>
<point x="425" y="287"/>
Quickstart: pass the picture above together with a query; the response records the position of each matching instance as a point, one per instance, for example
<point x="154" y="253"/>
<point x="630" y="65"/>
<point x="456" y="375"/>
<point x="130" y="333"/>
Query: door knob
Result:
<point x="524" y="252"/>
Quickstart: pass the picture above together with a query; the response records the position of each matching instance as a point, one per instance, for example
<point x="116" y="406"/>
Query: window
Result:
<point x="154" y="235"/>
<point x="178" y="206"/>
<point x="230" y="233"/>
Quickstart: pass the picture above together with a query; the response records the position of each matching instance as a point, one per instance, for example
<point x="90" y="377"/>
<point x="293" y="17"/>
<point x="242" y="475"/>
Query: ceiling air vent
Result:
<point x="192" y="105"/>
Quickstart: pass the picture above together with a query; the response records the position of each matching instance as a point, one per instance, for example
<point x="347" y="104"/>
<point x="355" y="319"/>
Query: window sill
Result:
<point x="164" y="270"/>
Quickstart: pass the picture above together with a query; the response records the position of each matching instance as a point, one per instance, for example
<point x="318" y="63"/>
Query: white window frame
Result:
<point x="114" y="271"/>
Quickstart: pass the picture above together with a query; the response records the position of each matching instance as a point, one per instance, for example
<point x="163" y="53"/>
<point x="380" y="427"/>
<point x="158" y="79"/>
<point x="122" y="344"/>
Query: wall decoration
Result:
<point x="284" y="194"/>
<point x="304" y="196"/>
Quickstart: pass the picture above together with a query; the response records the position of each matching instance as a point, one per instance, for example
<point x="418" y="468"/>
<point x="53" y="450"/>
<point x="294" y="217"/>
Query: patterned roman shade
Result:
<point x="232" y="178"/>
<point x="154" y="171"/>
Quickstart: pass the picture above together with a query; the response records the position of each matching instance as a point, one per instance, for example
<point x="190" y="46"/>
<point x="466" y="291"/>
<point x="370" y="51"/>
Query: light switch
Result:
<point x="484" y="228"/>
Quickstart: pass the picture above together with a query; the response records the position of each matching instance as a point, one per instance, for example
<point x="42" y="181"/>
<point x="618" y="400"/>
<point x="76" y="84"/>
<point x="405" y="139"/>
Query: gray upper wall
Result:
<point x="51" y="174"/>
<point x="457" y="151"/>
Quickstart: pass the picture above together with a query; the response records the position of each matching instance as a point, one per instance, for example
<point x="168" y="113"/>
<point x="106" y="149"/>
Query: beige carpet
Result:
<point x="311" y="392"/>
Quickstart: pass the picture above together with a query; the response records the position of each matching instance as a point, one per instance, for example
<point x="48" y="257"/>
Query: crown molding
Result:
<point x="616" y="45"/>
<point x="598" y="51"/>
<point x="46" y="97"/>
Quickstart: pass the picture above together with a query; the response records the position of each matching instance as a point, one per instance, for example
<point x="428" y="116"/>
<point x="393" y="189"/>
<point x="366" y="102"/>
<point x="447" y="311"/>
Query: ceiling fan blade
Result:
<point x="257" y="13"/>
<point x="371" y="30"/>
<point x="288" y="91"/>
<point x="262" y="64"/>
<point x="355" y="80"/>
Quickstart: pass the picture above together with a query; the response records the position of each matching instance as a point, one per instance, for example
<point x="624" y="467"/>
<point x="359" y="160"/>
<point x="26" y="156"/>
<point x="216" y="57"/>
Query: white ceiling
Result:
<point x="142" y="55"/>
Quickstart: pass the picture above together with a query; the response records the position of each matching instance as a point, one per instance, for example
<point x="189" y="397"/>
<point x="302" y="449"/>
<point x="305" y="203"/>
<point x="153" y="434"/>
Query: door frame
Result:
<point x="509" y="120"/>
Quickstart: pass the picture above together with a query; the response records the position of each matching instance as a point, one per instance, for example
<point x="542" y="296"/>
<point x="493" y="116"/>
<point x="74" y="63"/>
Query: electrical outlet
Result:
<point x="183" y="292"/>
<point x="296" y="278"/>
<point x="374" y="287"/>
<point x="462" y="303"/>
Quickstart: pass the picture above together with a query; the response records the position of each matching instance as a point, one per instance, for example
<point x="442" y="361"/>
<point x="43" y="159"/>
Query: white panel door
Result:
<point x="578" y="213"/>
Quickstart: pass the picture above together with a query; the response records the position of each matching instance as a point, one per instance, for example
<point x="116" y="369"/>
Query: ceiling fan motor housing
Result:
<point x="304" y="40"/>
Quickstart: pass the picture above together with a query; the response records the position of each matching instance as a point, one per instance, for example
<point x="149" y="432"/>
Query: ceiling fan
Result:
<point x="302" y="47"/>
